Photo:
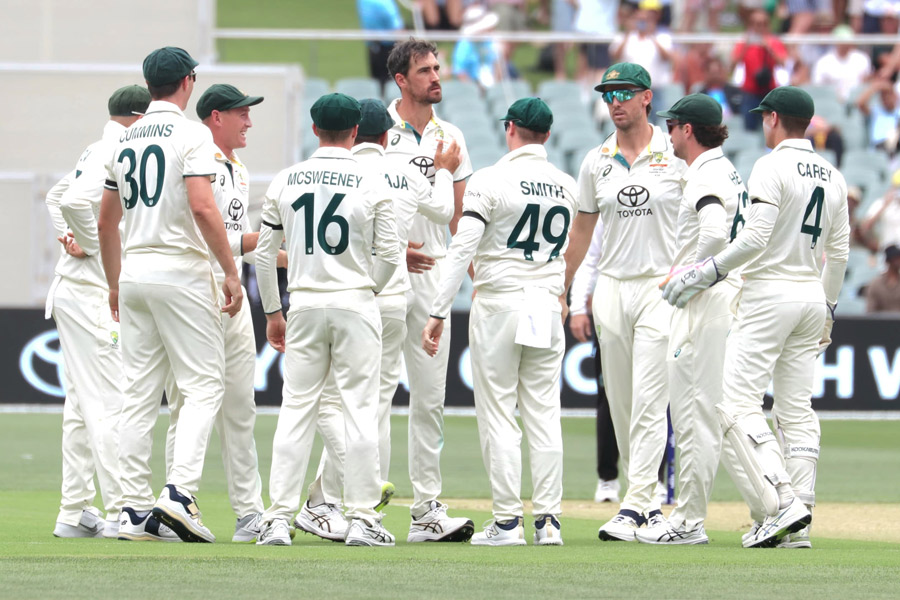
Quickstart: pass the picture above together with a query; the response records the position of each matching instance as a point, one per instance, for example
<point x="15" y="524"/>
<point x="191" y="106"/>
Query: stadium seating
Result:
<point x="314" y="88"/>
<point x="359" y="87"/>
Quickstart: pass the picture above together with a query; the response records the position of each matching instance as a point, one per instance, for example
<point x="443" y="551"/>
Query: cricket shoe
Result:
<point x="775" y="527"/>
<point x="664" y="533"/>
<point x="324" y="520"/>
<point x="145" y="528"/>
<point x="182" y="515"/>
<point x="275" y="533"/>
<point x="509" y="533"/>
<point x="90" y="525"/>
<point x="752" y="532"/>
<point x="368" y="532"/>
<point x="621" y="527"/>
<point x="800" y="539"/>
<point x="607" y="491"/>
<point x="247" y="528"/>
<point x="547" y="531"/>
<point x="387" y="492"/>
<point x="436" y="526"/>
<point x="111" y="528"/>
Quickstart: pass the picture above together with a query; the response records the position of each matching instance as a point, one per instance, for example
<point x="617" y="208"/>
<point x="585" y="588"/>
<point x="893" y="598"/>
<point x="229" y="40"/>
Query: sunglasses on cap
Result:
<point x="193" y="75"/>
<point x="620" y="95"/>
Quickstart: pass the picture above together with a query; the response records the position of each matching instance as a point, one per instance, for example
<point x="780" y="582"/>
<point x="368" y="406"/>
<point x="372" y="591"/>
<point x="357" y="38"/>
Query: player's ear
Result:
<point x="315" y="130"/>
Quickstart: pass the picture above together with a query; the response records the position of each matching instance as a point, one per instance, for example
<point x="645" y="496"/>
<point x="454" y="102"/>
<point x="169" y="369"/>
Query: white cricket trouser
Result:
<point x="168" y="308"/>
<point x="427" y="388"/>
<point x="393" y="332"/>
<point x="94" y="394"/>
<point x="775" y="338"/>
<point x="506" y="375"/>
<point x="236" y="418"/>
<point x="696" y="360"/>
<point x="338" y="332"/>
<point x="634" y="322"/>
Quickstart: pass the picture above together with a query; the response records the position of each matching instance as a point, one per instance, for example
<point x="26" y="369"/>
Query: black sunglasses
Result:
<point x="671" y="125"/>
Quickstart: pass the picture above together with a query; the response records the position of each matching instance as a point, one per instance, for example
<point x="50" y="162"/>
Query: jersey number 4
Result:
<point x="307" y="203"/>
<point x="815" y="204"/>
<point x="138" y="189"/>
<point x="531" y="217"/>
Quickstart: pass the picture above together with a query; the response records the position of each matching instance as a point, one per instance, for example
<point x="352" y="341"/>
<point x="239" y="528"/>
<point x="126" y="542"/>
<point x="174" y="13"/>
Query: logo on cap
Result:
<point x="612" y="75"/>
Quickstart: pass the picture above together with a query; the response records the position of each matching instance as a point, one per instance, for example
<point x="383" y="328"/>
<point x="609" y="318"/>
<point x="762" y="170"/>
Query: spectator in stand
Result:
<point x="477" y="61"/>
<point x="716" y="84"/>
<point x="882" y="221"/>
<point x="692" y="8"/>
<point x="758" y="55"/>
<point x="857" y="238"/>
<point x="883" y="293"/>
<point x="883" y="113"/>
<point x="843" y="67"/>
<point x="444" y="15"/>
<point x="512" y="18"/>
<point x="881" y="16"/>
<point x="562" y="20"/>
<point x="642" y="43"/>
<point x="803" y="13"/>
<point x="825" y="136"/>
<point x="601" y="18"/>
<point x="379" y="15"/>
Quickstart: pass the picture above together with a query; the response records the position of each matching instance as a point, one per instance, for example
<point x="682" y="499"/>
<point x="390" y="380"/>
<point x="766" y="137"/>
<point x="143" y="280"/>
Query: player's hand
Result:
<point x="114" y="304"/>
<point x="683" y="284"/>
<point x="71" y="246"/>
<point x="281" y="260"/>
<point x="275" y="327"/>
<point x="431" y="335"/>
<point x="447" y="158"/>
<point x="825" y="341"/>
<point x="580" y="326"/>
<point x="417" y="262"/>
<point x="234" y="295"/>
<point x="564" y="306"/>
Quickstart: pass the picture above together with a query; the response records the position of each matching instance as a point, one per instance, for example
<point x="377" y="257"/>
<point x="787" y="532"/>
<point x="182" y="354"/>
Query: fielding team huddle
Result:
<point x="155" y="217"/>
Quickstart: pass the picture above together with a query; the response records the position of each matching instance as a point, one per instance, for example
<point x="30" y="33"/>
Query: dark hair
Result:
<point x="794" y="125"/>
<point x="403" y="52"/>
<point x="165" y="90"/>
<point x="334" y="136"/>
<point x="710" y="136"/>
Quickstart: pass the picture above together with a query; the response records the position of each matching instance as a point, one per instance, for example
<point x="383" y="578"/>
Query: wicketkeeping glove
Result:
<point x="685" y="283"/>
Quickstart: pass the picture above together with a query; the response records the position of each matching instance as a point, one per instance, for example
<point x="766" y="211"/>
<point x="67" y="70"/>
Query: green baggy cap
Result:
<point x="789" y="101"/>
<point x="530" y="113"/>
<point x="221" y="96"/>
<point x="625" y="73"/>
<point x="335" y="112"/>
<point x="375" y="117"/>
<point x="697" y="109"/>
<point x="168" y="64"/>
<point x="128" y="101"/>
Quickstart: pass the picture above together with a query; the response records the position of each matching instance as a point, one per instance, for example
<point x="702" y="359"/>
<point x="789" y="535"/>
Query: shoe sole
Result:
<point x="146" y="537"/>
<point x="278" y="542"/>
<point x="775" y="539"/>
<point x="607" y="536"/>
<point x="458" y="535"/>
<point x="805" y="544"/>
<point x="237" y="539"/>
<point x="365" y="542"/>
<point x="181" y="529"/>
<point x="307" y="528"/>
<point x="556" y="542"/>
<point x="387" y="492"/>
<point x="507" y="543"/>
<point x="699" y="542"/>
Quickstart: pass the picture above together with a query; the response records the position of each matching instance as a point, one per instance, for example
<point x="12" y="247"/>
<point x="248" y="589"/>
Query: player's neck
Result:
<point x="694" y="152"/>
<point x="634" y="140"/>
<point x="416" y="114"/>
<point x="226" y="150"/>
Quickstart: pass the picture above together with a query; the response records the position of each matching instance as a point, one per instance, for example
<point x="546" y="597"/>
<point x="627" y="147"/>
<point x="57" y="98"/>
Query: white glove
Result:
<point x="829" y="324"/>
<point x="685" y="283"/>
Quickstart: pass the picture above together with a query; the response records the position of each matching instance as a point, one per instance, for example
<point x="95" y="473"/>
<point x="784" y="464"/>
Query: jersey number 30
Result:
<point x="139" y="189"/>
<point x="306" y="202"/>
<point x="531" y="216"/>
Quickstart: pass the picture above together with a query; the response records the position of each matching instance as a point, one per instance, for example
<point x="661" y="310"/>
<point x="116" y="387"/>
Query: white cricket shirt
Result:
<point x="231" y="189"/>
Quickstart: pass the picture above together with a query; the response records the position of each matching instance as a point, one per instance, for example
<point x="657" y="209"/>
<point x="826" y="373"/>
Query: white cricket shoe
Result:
<point x="247" y="528"/>
<point x="547" y="531"/>
<point x="436" y="526"/>
<point x="753" y="529"/>
<point x="90" y="525"/>
<point x="275" y="533"/>
<point x="621" y="527"/>
<point x="111" y="528"/>
<point x="136" y="528"/>
<point x="368" y="532"/>
<point x="607" y="491"/>
<point x="181" y="513"/>
<point x="663" y="532"/>
<point x="511" y="533"/>
<point x="324" y="520"/>
<point x="773" y="529"/>
<point x="799" y="539"/>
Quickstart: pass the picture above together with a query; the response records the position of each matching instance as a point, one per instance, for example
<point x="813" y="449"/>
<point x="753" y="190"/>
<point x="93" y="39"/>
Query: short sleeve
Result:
<point x="271" y="216"/>
<point x="587" y="195"/>
<point x="199" y="153"/>
<point x="765" y="183"/>
<point x="479" y="196"/>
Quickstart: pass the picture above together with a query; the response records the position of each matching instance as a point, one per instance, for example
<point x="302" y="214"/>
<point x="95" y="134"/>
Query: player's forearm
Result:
<point x="459" y="190"/>
<point x="209" y="221"/>
<point x="78" y="212"/>
<point x="266" y="276"/>
<point x="750" y="242"/>
<point x="54" y="196"/>
<point x="460" y="255"/>
<point x="110" y="243"/>
<point x="440" y="206"/>
<point x="579" y="241"/>
<point x="386" y="243"/>
<point x="713" y="234"/>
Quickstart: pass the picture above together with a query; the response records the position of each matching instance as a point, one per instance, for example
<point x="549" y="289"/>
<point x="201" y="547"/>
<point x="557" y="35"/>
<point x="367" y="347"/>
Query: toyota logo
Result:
<point x="633" y="196"/>
<point x="236" y="210"/>
<point x="424" y="164"/>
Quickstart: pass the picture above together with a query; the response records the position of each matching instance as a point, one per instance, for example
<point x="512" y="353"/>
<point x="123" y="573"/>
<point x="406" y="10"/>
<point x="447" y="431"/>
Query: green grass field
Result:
<point x="859" y="464"/>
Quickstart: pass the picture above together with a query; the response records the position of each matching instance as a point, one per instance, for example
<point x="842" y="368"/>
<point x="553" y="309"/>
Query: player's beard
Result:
<point x="431" y="96"/>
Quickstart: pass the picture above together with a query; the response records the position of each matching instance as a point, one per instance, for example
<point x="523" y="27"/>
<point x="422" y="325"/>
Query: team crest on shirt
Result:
<point x="114" y="339"/>
<point x="659" y="164"/>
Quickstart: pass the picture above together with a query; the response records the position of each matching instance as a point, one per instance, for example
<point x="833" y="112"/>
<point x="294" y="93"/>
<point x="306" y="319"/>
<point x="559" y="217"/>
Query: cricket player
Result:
<point x="414" y="66"/>
<point x="798" y="212"/>
<point x="633" y="182"/>
<point x="225" y="110"/>
<point x="516" y="218"/>
<point x="164" y="292"/>
<point x="333" y="211"/>
<point x="89" y="339"/>
<point x="412" y="195"/>
<point x="710" y="214"/>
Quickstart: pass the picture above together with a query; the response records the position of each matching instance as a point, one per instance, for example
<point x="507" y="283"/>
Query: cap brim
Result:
<point x="665" y="114"/>
<point x="599" y="88"/>
<point x="249" y="101"/>
<point x="758" y="109"/>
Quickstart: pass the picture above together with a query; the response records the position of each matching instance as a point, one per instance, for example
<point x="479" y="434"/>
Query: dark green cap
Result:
<point x="129" y="101"/>
<point x="335" y="112"/>
<point x="625" y="73"/>
<point x="697" y="109"/>
<point x="167" y="65"/>
<point x="530" y="113"/>
<point x="375" y="117"/>
<point x="789" y="101"/>
<point x="221" y="96"/>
